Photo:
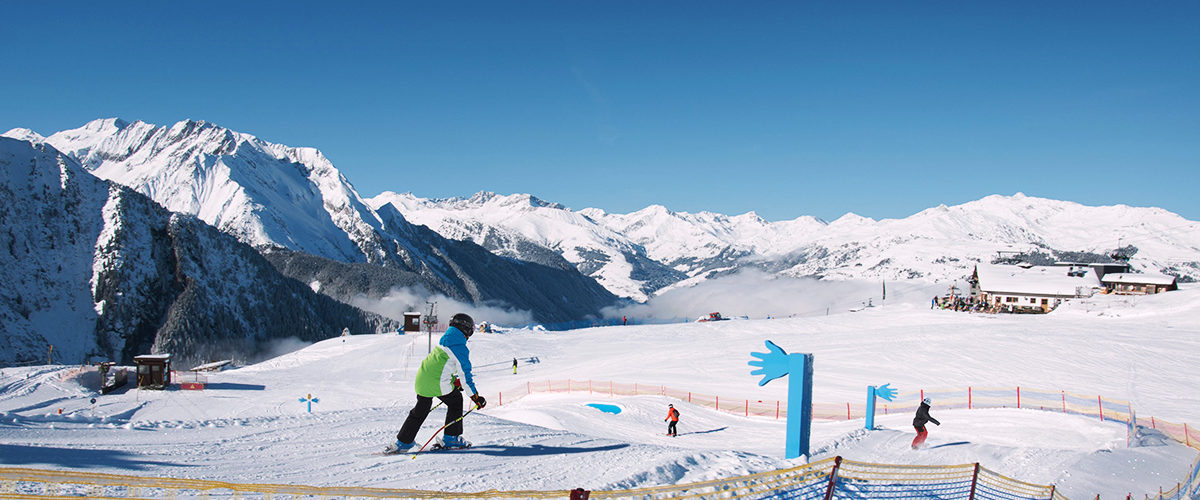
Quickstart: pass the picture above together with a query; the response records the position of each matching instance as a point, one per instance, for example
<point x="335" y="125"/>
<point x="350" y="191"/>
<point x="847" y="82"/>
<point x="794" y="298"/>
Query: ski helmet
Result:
<point x="463" y="323"/>
<point x="927" y="401"/>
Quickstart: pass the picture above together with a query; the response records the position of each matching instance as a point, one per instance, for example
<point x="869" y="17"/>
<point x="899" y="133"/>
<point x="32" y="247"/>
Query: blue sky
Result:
<point x="783" y="108"/>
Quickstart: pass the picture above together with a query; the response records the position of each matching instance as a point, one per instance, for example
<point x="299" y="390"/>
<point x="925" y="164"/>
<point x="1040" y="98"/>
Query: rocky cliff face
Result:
<point x="102" y="272"/>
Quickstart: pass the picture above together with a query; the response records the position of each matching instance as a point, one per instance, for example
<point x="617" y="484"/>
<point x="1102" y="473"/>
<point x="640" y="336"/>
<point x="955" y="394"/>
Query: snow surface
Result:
<point x="249" y="424"/>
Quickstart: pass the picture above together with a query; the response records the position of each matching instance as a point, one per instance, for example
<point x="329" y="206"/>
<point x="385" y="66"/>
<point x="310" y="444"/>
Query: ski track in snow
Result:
<point x="249" y="425"/>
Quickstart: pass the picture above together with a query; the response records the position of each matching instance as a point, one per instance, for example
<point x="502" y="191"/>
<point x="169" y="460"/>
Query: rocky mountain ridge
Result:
<point x="101" y="272"/>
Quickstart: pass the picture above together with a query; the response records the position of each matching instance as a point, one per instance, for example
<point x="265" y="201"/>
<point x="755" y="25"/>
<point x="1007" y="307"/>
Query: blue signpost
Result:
<point x="310" y="400"/>
<point x="882" y="391"/>
<point x="776" y="363"/>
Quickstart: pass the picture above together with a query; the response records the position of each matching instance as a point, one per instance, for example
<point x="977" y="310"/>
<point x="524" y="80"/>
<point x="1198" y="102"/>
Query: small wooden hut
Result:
<point x="153" y="370"/>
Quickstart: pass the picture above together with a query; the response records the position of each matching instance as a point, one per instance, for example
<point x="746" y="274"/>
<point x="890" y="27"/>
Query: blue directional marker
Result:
<point x="776" y="363"/>
<point x="310" y="400"/>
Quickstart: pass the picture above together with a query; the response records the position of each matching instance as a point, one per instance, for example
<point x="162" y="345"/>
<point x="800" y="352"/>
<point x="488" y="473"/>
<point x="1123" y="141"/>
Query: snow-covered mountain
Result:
<point x="101" y="272"/>
<point x="292" y="203"/>
<point x="672" y="249"/>
<point x="527" y="228"/>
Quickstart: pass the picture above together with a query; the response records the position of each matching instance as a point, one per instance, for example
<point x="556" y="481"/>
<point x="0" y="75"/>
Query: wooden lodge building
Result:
<point x="1138" y="284"/>
<point x="1028" y="288"/>
<point x="1038" y="289"/>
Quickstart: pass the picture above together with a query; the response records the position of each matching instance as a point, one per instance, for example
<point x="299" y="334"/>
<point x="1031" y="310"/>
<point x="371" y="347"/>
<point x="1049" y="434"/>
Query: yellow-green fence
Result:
<point x="822" y="480"/>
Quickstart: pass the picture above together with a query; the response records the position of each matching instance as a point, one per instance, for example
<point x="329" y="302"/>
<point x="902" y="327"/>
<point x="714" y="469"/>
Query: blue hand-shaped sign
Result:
<point x="884" y="392"/>
<point x="772" y="364"/>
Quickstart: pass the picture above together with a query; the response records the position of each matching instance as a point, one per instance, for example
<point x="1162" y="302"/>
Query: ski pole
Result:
<point x="440" y="429"/>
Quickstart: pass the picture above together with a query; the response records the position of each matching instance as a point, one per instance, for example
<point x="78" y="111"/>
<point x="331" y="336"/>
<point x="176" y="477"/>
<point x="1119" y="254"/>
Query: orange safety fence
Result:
<point x="905" y="401"/>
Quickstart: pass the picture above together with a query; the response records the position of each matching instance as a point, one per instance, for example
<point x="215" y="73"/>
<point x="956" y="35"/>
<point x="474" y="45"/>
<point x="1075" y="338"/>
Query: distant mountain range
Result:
<point x="655" y="249"/>
<point x="513" y="252"/>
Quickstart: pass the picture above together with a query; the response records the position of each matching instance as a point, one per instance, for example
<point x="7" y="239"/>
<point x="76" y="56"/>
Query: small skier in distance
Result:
<point x="919" y="423"/>
<point x="672" y="419"/>
<point x="514" y="366"/>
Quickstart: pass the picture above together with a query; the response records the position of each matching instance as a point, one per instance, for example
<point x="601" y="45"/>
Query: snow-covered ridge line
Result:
<point x="653" y="250"/>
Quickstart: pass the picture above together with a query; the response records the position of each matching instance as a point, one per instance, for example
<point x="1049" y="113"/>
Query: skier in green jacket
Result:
<point x="444" y="374"/>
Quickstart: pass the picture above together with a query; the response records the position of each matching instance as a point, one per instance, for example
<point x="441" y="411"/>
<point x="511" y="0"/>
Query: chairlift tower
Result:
<point x="430" y="321"/>
<point x="1118" y="254"/>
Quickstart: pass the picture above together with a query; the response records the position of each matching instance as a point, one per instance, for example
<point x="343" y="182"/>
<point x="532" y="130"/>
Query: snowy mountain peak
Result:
<point x="514" y="200"/>
<point x="24" y="134"/>
<point x="852" y="219"/>
<point x="105" y="125"/>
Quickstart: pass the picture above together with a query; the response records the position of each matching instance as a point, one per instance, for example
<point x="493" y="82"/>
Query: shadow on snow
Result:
<point x="75" y="458"/>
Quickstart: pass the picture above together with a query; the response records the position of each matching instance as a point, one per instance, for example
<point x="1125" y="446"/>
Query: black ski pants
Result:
<point x="416" y="416"/>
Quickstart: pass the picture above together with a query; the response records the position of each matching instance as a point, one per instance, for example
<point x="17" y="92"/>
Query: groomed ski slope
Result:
<point x="249" y="424"/>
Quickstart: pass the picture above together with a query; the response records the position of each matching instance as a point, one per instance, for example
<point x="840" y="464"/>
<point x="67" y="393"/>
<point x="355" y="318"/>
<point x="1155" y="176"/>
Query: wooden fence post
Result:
<point x="847" y="410"/>
<point x="974" y="481"/>
<point x="747" y="407"/>
<point x="837" y="462"/>
<point x="1018" y="397"/>
<point x="969" y="401"/>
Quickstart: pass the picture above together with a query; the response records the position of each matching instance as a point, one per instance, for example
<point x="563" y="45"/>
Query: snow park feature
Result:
<point x="246" y="433"/>
<point x="606" y="408"/>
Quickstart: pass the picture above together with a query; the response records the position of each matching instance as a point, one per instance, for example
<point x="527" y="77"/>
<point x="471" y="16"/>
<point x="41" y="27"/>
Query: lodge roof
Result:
<point x="1054" y="281"/>
<point x="1139" y="278"/>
